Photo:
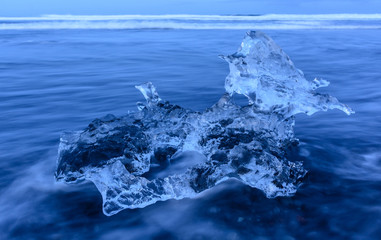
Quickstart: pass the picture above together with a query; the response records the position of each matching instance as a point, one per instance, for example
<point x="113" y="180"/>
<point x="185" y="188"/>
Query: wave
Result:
<point x="207" y="22"/>
<point x="200" y="17"/>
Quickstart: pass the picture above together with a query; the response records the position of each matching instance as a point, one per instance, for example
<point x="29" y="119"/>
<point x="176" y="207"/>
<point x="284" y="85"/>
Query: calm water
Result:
<point x="57" y="80"/>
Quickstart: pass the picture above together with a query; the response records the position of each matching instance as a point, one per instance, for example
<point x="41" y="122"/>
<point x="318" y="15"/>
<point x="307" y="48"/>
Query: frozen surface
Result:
<point x="164" y="151"/>
<point x="262" y="72"/>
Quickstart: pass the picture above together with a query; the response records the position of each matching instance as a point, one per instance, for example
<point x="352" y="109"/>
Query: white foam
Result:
<point x="199" y="17"/>
<point x="271" y="21"/>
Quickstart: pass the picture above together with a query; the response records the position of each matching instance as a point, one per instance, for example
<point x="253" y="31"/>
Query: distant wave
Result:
<point x="200" y="17"/>
<point x="270" y="21"/>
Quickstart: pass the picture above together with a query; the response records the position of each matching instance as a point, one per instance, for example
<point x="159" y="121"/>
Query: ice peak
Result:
<point x="265" y="74"/>
<point x="149" y="92"/>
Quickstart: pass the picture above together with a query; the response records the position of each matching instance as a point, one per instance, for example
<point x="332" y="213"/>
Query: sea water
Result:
<point x="58" y="79"/>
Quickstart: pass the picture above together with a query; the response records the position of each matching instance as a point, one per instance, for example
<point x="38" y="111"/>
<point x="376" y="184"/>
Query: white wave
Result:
<point x="268" y="17"/>
<point x="271" y="21"/>
<point x="177" y="25"/>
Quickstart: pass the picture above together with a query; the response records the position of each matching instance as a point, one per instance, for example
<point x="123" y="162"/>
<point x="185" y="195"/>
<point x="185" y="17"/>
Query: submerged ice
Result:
<point x="164" y="151"/>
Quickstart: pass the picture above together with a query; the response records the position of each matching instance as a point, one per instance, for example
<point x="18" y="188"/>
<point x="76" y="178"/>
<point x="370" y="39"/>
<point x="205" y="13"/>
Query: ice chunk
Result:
<point x="264" y="73"/>
<point x="149" y="92"/>
<point x="134" y="160"/>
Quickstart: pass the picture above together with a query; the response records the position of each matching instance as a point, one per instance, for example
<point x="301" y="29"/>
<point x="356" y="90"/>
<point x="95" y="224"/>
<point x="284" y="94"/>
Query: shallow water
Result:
<point x="58" y="80"/>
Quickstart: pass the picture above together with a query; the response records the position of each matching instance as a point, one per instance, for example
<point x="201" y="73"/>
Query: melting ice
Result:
<point x="164" y="151"/>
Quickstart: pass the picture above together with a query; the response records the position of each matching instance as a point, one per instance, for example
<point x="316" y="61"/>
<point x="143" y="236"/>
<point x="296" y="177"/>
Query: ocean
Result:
<point x="58" y="73"/>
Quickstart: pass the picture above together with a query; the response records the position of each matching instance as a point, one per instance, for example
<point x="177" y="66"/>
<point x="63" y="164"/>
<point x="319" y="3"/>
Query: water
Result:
<point x="55" y="80"/>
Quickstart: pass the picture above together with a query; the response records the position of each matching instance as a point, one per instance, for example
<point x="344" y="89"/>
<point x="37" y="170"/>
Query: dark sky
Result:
<point x="106" y="7"/>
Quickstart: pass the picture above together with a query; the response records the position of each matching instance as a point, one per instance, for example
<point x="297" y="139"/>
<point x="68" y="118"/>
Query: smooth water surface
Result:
<point x="53" y="81"/>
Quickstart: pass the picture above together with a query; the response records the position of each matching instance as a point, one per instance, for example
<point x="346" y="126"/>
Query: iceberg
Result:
<point x="164" y="151"/>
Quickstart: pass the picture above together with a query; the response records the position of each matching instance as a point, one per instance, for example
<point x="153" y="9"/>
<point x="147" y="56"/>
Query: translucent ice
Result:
<point x="164" y="151"/>
<point x="262" y="72"/>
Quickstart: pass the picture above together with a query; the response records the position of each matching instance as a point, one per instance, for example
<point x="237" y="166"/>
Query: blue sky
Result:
<point x="92" y="7"/>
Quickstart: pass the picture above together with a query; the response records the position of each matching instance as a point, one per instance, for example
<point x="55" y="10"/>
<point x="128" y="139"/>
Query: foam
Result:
<point x="200" y="17"/>
<point x="207" y="22"/>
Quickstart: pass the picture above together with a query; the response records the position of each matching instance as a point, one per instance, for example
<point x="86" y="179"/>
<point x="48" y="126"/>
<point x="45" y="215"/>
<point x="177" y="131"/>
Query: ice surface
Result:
<point x="262" y="72"/>
<point x="129" y="158"/>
